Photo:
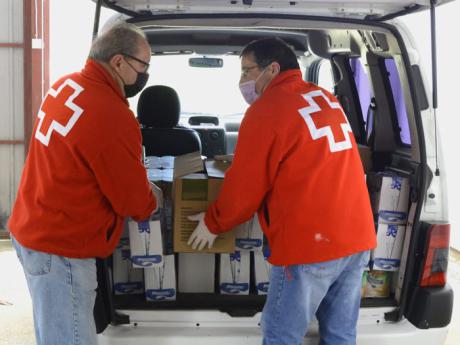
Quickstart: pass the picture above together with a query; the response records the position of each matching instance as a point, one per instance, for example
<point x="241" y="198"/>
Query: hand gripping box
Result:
<point x="160" y="281"/>
<point x="234" y="273"/>
<point x="126" y="279"/>
<point x="389" y="197"/>
<point x="146" y="242"/>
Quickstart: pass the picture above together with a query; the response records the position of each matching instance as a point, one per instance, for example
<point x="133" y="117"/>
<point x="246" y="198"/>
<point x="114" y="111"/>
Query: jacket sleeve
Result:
<point x="250" y="177"/>
<point x="122" y="177"/>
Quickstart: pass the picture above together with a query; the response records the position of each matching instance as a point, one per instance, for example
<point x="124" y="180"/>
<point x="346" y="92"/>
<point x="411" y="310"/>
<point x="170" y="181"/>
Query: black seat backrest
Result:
<point x="158" y="111"/>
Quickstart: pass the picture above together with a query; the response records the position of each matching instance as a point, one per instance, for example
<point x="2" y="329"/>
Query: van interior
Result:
<point x="362" y="63"/>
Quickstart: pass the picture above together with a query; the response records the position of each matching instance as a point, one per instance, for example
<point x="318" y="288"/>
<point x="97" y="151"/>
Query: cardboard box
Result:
<point x="249" y="235"/>
<point x="387" y="255"/>
<point x="262" y="271"/>
<point x="377" y="284"/>
<point x="168" y="168"/>
<point x="192" y="195"/>
<point x="126" y="279"/>
<point x="217" y="168"/>
<point x="162" y="171"/>
<point x="196" y="273"/>
<point x="234" y="273"/>
<point x="160" y="282"/>
<point x="146" y="243"/>
<point x="389" y="197"/>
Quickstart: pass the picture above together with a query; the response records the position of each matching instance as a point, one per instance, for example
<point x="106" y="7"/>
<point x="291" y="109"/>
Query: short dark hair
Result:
<point x="268" y="50"/>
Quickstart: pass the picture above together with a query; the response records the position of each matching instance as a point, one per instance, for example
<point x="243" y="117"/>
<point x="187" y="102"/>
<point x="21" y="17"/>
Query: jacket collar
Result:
<point x="291" y="75"/>
<point x="96" y="71"/>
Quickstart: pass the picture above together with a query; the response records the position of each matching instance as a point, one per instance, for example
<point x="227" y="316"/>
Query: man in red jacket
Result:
<point x="82" y="177"/>
<point x="297" y="164"/>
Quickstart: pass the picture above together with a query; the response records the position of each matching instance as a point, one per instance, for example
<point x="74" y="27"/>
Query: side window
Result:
<point x="365" y="93"/>
<point x="325" y="77"/>
<point x="398" y="98"/>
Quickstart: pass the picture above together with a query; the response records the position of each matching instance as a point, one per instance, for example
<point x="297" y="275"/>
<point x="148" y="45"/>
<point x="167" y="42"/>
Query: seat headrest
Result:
<point x="158" y="106"/>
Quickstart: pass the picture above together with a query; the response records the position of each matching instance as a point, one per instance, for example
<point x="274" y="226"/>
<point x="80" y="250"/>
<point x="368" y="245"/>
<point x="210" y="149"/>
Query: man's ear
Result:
<point x="115" y="61"/>
<point x="275" y="68"/>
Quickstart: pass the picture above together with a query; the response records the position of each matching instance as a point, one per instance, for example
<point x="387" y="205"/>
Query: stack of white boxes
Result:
<point x="262" y="270"/>
<point x="147" y="253"/>
<point x="160" y="282"/>
<point x="235" y="267"/>
<point x="390" y="205"/>
<point x="126" y="278"/>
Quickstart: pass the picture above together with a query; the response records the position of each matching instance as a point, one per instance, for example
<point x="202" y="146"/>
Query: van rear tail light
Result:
<point x="435" y="265"/>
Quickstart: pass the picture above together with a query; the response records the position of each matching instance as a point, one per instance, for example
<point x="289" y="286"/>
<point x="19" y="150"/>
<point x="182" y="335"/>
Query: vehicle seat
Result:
<point x="158" y="111"/>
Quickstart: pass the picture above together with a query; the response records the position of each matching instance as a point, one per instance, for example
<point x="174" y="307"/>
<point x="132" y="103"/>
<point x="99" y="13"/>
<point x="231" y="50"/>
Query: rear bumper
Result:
<point x="206" y="328"/>
<point x="431" y="307"/>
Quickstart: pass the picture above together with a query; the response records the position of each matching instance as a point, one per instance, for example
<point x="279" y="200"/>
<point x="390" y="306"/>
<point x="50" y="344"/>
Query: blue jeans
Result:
<point x="331" y="290"/>
<point x="63" y="292"/>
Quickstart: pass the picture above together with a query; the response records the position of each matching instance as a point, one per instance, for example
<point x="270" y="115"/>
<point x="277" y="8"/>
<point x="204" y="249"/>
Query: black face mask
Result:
<point x="133" y="89"/>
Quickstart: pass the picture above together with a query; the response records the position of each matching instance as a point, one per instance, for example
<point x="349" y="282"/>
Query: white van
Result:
<point x="365" y="56"/>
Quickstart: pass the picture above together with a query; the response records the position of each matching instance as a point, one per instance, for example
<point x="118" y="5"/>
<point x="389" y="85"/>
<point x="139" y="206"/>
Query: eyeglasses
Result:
<point x="147" y="65"/>
<point x="245" y="70"/>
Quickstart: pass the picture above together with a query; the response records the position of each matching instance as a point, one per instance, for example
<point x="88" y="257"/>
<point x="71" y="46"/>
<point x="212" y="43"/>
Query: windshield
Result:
<point x="201" y="90"/>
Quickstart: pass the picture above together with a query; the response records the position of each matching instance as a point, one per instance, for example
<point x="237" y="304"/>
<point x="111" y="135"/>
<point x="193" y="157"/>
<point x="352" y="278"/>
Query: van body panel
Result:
<point x="180" y="327"/>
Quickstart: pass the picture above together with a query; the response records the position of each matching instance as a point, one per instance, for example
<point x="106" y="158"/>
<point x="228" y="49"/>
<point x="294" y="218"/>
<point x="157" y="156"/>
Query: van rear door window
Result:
<point x="365" y="93"/>
<point x="398" y="98"/>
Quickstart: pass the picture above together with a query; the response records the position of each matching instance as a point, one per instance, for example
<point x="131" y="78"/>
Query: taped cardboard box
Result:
<point x="160" y="282"/>
<point x="193" y="193"/>
<point x="126" y="279"/>
<point x="249" y="235"/>
<point x="387" y="255"/>
<point x="389" y="194"/>
<point x="234" y="273"/>
<point x="162" y="171"/>
<point x="196" y="273"/>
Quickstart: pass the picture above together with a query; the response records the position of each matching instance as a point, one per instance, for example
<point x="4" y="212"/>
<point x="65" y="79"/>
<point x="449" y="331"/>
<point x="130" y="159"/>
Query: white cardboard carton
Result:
<point x="160" y="282"/>
<point x="249" y="235"/>
<point x="196" y="272"/>
<point x="392" y="202"/>
<point x="126" y="279"/>
<point x="387" y="255"/>
<point x="146" y="243"/>
<point x="234" y="273"/>
<point x="262" y="272"/>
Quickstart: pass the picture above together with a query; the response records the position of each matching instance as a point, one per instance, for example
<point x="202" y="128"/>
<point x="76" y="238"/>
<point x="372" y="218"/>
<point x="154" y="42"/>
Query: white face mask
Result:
<point x="248" y="89"/>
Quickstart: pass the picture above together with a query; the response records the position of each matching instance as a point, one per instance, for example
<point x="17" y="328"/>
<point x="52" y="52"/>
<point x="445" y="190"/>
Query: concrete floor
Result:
<point x="16" y="323"/>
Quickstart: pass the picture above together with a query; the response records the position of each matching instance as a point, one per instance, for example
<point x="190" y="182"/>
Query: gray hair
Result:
<point x="122" y="38"/>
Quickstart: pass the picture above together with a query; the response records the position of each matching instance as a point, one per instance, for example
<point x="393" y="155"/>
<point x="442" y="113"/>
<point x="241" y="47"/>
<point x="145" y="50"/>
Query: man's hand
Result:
<point x="201" y="236"/>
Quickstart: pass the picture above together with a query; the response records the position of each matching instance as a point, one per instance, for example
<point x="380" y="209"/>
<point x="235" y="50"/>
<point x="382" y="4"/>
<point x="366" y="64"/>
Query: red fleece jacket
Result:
<point x="297" y="163"/>
<point x="83" y="173"/>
